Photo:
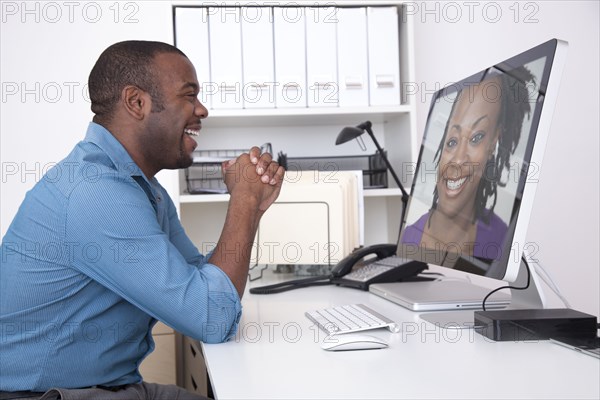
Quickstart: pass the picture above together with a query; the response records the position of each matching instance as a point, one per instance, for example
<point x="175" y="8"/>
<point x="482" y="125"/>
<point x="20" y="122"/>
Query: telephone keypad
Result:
<point x="367" y="272"/>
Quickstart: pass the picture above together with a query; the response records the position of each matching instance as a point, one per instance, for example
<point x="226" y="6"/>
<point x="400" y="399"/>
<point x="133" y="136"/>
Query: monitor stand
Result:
<point x="532" y="297"/>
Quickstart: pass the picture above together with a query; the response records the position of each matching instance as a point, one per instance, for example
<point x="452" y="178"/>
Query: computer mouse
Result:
<point x="352" y="341"/>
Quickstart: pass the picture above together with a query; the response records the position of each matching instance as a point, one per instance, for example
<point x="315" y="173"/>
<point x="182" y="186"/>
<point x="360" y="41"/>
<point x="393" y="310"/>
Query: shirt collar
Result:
<point x="105" y="140"/>
<point x="123" y="163"/>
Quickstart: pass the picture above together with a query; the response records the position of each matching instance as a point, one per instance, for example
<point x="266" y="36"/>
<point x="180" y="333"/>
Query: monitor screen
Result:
<point x="479" y="163"/>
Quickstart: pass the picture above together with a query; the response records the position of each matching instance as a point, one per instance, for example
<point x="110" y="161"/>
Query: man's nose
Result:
<point x="199" y="110"/>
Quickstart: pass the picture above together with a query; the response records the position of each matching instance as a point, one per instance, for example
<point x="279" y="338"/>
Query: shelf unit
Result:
<point x="311" y="132"/>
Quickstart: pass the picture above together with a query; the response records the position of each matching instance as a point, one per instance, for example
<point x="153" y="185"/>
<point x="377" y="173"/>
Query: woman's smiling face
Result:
<point x="470" y="140"/>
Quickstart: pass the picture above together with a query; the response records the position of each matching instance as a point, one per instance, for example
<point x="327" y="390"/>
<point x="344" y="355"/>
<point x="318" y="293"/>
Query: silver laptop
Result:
<point x="439" y="295"/>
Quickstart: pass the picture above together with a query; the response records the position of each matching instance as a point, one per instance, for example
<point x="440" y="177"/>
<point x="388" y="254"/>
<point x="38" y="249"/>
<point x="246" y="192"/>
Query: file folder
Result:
<point x="257" y="56"/>
<point x="321" y="56"/>
<point x="384" y="56"/>
<point x="290" y="56"/>
<point x="290" y="244"/>
<point x="314" y="221"/>
<point x="225" y="57"/>
<point x="191" y="37"/>
<point x="353" y="65"/>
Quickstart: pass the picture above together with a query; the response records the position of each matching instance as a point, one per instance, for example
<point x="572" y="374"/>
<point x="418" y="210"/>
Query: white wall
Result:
<point x="47" y="52"/>
<point x="48" y="49"/>
<point x="565" y="221"/>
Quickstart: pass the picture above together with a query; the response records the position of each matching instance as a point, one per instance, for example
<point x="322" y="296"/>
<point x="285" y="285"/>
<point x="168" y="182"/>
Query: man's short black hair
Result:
<point x="126" y="63"/>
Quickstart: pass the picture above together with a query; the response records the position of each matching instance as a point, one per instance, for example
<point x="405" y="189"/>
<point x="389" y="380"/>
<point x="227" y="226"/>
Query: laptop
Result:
<point x="589" y="346"/>
<point x="439" y="295"/>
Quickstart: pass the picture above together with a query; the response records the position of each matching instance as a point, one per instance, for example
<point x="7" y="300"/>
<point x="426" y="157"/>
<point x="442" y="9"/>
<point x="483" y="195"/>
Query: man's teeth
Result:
<point x="454" y="185"/>
<point x="191" y="132"/>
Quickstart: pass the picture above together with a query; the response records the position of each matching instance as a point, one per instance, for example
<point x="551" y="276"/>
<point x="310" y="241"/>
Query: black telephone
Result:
<point x="354" y="271"/>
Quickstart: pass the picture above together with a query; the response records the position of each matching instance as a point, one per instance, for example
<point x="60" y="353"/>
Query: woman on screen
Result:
<point x="481" y="133"/>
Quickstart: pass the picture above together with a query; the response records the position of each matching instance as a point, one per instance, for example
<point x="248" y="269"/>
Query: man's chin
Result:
<point x="185" y="161"/>
<point x="184" y="165"/>
<point x="181" y="164"/>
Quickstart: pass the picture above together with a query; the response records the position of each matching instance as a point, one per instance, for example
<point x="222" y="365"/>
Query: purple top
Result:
<point x="488" y="240"/>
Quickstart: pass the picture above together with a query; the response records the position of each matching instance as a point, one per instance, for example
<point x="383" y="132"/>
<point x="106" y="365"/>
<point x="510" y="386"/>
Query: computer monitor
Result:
<point x="479" y="163"/>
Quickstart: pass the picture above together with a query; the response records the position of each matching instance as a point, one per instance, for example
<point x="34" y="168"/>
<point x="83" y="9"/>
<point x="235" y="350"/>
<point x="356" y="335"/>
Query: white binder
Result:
<point x="191" y="37"/>
<point x="321" y="57"/>
<point x="384" y="61"/>
<point x="225" y="57"/>
<point x="353" y="65"/>
<point x="290" y="57"/>
<point x="257" y="55"/>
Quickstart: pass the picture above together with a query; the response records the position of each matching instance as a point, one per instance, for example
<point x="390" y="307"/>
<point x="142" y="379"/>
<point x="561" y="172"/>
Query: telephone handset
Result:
<point x="356" y="272"/>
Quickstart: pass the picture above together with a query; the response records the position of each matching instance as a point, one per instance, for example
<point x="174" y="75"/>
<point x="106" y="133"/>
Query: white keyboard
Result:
<point x="350" y="318"/>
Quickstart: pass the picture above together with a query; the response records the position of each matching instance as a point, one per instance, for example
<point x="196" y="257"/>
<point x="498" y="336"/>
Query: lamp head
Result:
<point x="352" y="132"/>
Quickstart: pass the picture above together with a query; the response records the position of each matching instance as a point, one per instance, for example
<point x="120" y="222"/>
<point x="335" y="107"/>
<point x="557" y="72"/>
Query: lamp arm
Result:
<point x="387" y="163"/>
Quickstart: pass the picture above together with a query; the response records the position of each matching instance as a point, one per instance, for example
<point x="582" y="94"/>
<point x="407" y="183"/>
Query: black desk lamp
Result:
<point x="353" y="132"/>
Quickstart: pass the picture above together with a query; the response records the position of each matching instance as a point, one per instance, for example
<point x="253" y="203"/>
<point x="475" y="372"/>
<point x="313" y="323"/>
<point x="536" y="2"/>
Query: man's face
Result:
<point x="167" y="137"/>
<point x="469" y="142"/>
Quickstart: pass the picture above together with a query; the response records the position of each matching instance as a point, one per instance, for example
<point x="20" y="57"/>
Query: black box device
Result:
<point x="534" y="324"/>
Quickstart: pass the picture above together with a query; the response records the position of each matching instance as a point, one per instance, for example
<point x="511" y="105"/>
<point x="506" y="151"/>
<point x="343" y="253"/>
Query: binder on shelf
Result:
<point x="384" y="60"/>
<point x="257" y="57"/>
<point x="314" y="221"/>
<point x="191" y="37"/>
<point x="321" y="57"/>
<point x="290" y="56"/>
<point x="225" y="57"/>
<point x="353" y="65"/>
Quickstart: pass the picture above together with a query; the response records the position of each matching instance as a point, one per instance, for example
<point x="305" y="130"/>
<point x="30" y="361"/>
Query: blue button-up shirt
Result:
<point x="94" y="257"/>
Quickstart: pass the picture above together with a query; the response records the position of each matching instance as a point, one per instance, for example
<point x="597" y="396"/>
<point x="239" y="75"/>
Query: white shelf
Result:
<point x="390" y="192"/>
<point x="223" y="198"/>
<point x="203" y="198"/>
<point x="302" y="116"/>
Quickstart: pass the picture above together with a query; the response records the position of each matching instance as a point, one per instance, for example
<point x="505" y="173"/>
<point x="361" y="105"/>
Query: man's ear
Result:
<point x="137" y="102"/>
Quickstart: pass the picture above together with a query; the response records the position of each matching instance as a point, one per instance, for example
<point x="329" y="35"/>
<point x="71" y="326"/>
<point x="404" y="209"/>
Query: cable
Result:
<point x="545" y="276"/>
<point x="320" y="280"/>
<point x="511" y="287"/>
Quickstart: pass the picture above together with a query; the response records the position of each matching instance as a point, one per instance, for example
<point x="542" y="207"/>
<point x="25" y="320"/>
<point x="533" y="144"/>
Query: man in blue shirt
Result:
<point x="96" y="253"/>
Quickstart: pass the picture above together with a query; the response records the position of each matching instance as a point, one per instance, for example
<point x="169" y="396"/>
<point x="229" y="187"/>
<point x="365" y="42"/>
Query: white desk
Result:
<point x="276" y="355"/>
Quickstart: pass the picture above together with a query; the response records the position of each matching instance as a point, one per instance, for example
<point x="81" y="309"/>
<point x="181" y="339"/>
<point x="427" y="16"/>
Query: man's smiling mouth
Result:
<point x="192" y="132"/>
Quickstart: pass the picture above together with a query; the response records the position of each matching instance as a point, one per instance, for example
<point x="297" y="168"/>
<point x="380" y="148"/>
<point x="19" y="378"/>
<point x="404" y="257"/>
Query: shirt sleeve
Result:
<point x="128" y="253"/>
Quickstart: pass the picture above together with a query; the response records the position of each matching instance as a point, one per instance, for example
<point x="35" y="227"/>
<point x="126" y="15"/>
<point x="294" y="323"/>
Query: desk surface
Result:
<point x="276" y="354"/>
